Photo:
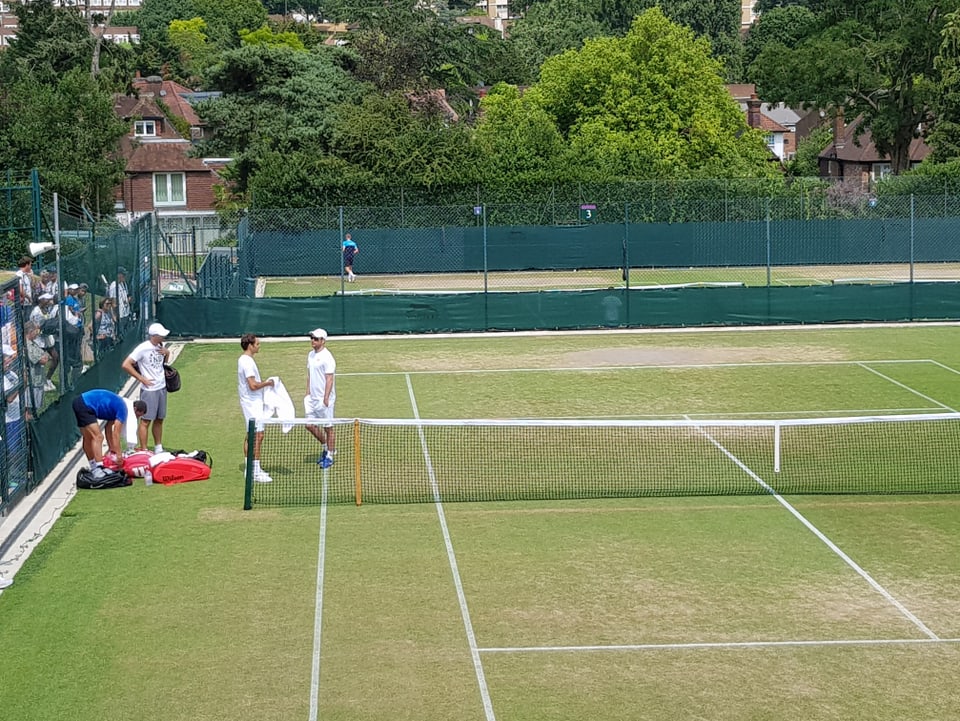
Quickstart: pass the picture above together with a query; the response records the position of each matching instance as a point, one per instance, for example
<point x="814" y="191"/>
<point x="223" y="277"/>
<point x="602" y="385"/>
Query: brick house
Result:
<point x="854" y="157"/>
<point x="161" y="176"/>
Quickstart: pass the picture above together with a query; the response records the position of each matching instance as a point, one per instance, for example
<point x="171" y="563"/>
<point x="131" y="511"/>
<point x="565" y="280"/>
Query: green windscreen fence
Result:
<point x="231" y="317"/>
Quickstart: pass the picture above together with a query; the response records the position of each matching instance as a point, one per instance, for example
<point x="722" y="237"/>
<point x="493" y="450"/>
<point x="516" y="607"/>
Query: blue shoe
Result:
<point x="326" y="461"/>
<point x="322" y="458"/>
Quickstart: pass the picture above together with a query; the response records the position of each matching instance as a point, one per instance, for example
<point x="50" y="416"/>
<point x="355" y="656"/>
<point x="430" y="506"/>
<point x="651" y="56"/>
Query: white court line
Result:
<point x="830" y="544"/>
<point x="318" y="613"/>
<point x="907" y="388"/>
<point x="461" y="596"/>
<point x="722" y="645"/>
<point x="668" y="366"/>
<point x="946" y="367"/>
<point x="748" y="415"/>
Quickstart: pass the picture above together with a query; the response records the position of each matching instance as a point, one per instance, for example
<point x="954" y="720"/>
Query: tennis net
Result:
<point x="417" y="461"/>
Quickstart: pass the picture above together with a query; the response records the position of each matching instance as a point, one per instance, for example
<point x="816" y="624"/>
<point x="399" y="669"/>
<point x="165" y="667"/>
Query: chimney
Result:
<point x="753" y="111"/>
<point x="839" y="129"/>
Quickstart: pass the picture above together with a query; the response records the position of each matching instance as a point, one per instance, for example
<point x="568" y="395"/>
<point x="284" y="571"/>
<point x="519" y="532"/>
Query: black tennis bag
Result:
<point x="111" y="479"/>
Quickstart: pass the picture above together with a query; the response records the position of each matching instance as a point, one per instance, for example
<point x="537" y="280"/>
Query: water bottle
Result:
<point x="148" y="477"/>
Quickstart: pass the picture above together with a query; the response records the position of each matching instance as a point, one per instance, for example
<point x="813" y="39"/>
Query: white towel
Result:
<point x="276" y="402"/>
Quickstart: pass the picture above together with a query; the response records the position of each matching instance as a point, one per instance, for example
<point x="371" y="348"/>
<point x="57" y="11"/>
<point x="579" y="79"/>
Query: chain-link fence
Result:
<point x="801" y="240"/>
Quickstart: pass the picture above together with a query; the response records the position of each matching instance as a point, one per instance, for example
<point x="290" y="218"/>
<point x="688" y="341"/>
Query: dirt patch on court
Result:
<point x="693" y="355"/>
<point x="221" y="515"/>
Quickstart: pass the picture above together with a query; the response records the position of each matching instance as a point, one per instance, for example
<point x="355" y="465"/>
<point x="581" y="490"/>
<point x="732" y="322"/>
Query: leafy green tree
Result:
<point x="266" y="36"/>
<point x="67" y="130"/>
<point x="805" y="162"/>
<point x="785" y="25"/>
<point x="196" y="50"/>
<point x="945" y="136"/>
<point x="518" y="140"/>
<point x="651" y="104"/>
<point x="275" y="99"/>
<point x="224" y="19"/>
<point x="552" y="26"/>
<point x="408" y="140"/>
<point x="53" y="40"/>
<point x="872" y="59"/>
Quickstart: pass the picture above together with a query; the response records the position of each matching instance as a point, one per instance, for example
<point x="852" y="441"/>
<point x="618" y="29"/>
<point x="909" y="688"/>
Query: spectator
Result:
<point x="105" y="326"/>
<point x="73" y="311"/>
<point x="145" y="364"/>
<point x="28" y="283"/>
<point x="50" y="285"/>
<point x="37" y="358"/>
<point x="46" y="315"/>
<point x="121" y="295"/>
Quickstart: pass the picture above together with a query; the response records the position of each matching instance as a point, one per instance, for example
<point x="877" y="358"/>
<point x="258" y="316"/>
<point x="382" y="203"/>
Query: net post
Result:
<point x="356" y="459"/>
<point x="776" y="447"/>
<point x="248" y="471"/>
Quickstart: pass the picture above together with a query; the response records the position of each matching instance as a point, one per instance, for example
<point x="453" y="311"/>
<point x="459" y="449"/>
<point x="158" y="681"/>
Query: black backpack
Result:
<point x="110" y="479"/>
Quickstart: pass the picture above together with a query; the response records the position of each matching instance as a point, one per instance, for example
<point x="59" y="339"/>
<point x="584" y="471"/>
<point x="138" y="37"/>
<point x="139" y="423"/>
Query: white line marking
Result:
<point x="907" y="388"/>
<point x="830" y="544"/>
<point x="608" y="368"/>
<point x="461" y="596"/>
<point x="318" y="613"/>
<point x="946" y="367"/>
<point x="720" y="645"/>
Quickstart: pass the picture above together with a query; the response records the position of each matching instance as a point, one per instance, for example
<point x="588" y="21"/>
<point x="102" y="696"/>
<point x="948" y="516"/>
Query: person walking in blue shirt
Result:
<point x="349" y="251"/>
<point x="101" y="405"/>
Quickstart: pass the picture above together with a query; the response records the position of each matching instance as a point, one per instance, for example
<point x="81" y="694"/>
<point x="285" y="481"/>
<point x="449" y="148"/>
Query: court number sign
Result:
<point x="588" y="212"/>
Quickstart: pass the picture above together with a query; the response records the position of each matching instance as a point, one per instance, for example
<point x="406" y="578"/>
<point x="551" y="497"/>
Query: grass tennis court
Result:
<point x="173" y="603"/>
<point x="587" y="279"/>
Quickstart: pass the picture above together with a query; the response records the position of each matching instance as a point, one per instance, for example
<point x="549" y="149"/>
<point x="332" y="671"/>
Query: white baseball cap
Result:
<point x="157" y="329"/>
<point x="318" y="333"/>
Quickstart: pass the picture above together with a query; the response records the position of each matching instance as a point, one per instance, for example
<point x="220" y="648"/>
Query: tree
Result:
<point x="518" y="140"/>
<point x="67" y="130"/>
<point x="275" y="99"/>
<point x="405" y="140"/>
<point x="651" y="104"/>
<point x="223" y="19"/>
<point x="805" y="162"/>
<point x="945" y="136"/>
<point x="196" y="50"/>
<point x="552" y="26"/>
<point x="785" y="25"/>
<point x="50" y="41"/>
<point x="872" y="59"/>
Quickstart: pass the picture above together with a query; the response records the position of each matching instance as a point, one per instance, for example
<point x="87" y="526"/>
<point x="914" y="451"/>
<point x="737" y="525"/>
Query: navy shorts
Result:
<point x="83" y="412"/>
<point x="348" y="256"/>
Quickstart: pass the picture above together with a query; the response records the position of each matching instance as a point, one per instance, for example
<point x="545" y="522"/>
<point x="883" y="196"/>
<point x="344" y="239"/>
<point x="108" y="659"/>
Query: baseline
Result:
<point x="725" y="645"/>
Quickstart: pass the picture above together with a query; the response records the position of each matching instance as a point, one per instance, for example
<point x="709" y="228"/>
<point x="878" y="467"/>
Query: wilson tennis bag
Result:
<point x="180" y="469"/>
<point x="110" y="479"/>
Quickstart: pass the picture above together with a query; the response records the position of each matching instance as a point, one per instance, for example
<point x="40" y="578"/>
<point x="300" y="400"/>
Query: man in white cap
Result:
<point x="321" y="395"/>
<point x="145" y="364"/>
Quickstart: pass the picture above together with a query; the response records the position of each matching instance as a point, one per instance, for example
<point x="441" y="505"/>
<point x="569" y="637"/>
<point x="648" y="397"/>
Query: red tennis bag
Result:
<point x="180" y="470"/>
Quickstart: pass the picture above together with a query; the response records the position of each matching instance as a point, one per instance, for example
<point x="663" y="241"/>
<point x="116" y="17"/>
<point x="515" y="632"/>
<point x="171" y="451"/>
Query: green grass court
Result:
<point x="163" y="603"/>
<point x="587" y="279"/>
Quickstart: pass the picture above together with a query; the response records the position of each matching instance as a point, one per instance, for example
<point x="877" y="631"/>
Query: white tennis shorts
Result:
<point x="253" y="411"/>
<point x="315" y="410"/>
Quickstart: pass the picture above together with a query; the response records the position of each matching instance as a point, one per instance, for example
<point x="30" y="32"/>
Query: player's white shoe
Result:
<point x="262" y="477"/>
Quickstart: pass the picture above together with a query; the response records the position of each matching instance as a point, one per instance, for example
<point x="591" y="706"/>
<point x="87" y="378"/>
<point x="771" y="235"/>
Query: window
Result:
<point x="145" y="128"/>
<point x="169" y="189"/>
<point x="879" y="171"/>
